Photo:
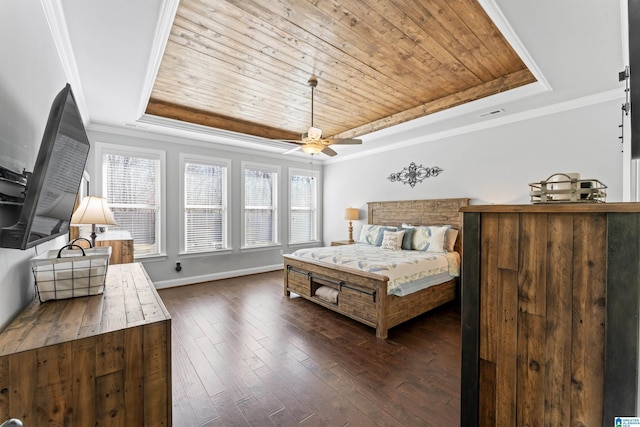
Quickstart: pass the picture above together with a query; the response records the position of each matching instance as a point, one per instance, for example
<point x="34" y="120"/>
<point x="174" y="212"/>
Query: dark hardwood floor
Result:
<point x="246" y="355"/>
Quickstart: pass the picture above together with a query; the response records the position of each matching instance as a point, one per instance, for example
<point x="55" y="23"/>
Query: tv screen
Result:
<point x="53" y="185"/>
<point x="634" y="75"/>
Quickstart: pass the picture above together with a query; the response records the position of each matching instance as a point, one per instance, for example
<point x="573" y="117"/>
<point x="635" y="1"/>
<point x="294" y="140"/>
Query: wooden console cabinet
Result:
<point x="102" y="360"/>
<point x="550" y="306"/>
<point x="121" y="245"/>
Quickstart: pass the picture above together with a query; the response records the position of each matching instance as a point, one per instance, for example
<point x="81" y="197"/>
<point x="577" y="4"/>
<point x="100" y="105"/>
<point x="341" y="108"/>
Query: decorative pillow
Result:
<point x="408" y="237"/>
<point x="429" y="238"/>
<point x="372" y="234"/>
<point x="450" y="239"/>
<point x="392" y="240"/>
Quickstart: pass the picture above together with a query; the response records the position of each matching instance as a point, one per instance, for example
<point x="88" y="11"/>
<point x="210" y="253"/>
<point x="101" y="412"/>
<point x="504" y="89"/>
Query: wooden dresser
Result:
<point x="99" y="360"/>
<point x="550" y="305"/>
<point x="121" y="245"/>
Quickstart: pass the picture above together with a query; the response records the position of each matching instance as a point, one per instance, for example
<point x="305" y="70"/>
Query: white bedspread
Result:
<point x="408" y="271"/>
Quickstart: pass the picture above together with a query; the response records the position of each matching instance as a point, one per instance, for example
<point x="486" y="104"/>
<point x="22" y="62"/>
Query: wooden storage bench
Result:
<point x="97" y="360"/>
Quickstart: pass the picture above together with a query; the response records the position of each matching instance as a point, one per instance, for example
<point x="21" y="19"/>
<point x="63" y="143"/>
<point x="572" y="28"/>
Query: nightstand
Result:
<point x="342" y="242"/>
<point x="121" y="245"/>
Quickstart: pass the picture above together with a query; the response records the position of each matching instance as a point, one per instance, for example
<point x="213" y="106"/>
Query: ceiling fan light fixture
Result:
<point x="312" y="141"/>
<point x="312" y="148"/>
<point x="314" y="133"/>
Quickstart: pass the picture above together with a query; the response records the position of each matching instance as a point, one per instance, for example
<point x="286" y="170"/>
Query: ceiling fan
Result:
<point x="312" y="141"/>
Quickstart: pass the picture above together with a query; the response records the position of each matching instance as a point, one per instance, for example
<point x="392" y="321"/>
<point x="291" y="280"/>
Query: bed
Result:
<point x="363" y="295"/>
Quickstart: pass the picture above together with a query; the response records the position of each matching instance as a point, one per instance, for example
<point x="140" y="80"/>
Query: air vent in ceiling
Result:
<point x="491" y="113"/>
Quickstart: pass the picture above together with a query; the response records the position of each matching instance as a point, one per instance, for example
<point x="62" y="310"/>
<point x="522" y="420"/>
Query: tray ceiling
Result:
<point x="243" y="66"/>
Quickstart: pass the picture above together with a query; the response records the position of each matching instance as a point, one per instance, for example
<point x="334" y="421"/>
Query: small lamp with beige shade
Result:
<point x="93" y="210"/>
<point x="351" y="214"/>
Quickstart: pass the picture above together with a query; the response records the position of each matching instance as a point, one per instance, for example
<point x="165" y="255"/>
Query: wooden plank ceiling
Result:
<point x="243" y="65"/>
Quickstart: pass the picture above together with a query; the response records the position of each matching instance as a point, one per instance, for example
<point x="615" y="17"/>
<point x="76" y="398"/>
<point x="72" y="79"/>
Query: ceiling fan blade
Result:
<point x="293" y="149"/>
<point x="345" y="141"/>
<point x="329" y="152"/>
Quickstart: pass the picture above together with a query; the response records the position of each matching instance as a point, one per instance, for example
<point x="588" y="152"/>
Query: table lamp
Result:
<point x="93" y="210"/>
<point x="351" y="214"/>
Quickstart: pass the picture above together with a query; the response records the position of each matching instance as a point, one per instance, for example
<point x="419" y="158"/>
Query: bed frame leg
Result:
<point x="381" y="311"/>
<point x="381" y="333"/>
<point x="286" y="291"/>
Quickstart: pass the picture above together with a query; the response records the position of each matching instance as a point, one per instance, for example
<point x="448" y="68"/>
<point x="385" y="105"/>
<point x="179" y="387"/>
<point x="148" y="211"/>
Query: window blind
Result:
<point x="132" y="190"/>
<point x="260" y="207"/>
<point x="205" y="207"/>
<point x="302" y="224"/>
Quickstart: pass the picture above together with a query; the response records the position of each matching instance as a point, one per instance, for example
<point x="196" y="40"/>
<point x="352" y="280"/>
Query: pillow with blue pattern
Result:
<point x="430" y="238"/>
<point x="372" y="234"/>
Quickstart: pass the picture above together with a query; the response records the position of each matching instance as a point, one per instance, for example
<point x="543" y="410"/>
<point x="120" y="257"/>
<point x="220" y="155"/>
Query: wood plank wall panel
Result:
<point x="84" y="356"/>
<point x="558" y="318"/>
<point x="542" y="287"/>
<point x="589" y="301"/>
<point x="507" y="298"/>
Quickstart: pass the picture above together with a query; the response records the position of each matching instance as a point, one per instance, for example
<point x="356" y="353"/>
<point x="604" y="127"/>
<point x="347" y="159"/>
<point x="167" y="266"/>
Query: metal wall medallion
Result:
<point x="414" y="174"/>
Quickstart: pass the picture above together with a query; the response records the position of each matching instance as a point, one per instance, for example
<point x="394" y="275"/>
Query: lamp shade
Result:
<point x="351" y="214"/>
<point x="93" y="210"/>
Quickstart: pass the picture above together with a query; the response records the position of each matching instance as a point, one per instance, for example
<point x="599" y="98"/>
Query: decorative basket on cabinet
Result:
<point x="70" y="273"/>
<point x="562" y="188"/>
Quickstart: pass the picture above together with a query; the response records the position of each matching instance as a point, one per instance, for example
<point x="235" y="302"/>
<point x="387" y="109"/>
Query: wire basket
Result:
<point x="70" y="273"/>
<point x="561" y="188"/>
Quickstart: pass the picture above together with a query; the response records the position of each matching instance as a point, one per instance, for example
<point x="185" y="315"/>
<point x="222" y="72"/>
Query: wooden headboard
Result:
<point x="419" y="212"/>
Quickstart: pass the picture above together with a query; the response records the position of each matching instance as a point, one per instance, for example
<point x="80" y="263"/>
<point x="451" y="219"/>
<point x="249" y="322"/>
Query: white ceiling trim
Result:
<point x="209" y="141"/>
<point x="193" y="130"/>
<point x="490" y="102"/>
<point x="624" y="30"/>
<point x="498" y="18"/>
<point x="54" y="13"/>
<point x="160" y="40"/>
<point x="573" y="104"/>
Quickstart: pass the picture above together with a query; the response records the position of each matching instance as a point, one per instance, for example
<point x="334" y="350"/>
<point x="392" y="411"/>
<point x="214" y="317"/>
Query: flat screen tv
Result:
<point x="634" y="75"/>
<point x="53" y="185"/>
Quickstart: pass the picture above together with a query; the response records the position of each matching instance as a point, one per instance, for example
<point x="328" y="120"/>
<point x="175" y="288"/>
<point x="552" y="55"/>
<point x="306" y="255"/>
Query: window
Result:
<point x="132" y="183"/>
<point x="303" y="215"/>
<point x="260" y="184"/>
<point x="205" y="204"/>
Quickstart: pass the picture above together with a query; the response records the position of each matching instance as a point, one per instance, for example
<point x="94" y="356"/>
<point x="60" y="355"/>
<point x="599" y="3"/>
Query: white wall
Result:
<point x="491" y="166"/>
<point x="31" y="75"/>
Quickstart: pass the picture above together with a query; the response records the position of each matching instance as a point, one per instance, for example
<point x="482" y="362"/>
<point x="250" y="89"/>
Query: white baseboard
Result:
<point x="162" y="284"/>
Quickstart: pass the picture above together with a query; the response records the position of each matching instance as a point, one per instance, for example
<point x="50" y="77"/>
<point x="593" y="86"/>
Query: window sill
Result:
<point x="205" y="253"/>
<point x="151" y="258"/>
<point x="260" y="248"/>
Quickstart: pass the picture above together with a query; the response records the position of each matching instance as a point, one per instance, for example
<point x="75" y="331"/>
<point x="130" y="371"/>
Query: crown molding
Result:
<point x="160" y="40"/>
<point x="54" y="13"/>
<point x="586" y="101"/>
